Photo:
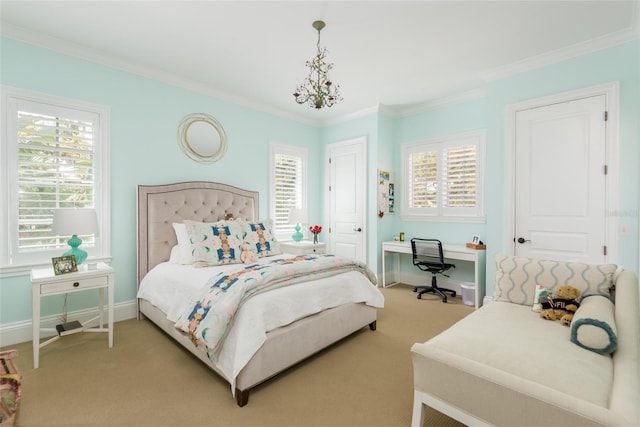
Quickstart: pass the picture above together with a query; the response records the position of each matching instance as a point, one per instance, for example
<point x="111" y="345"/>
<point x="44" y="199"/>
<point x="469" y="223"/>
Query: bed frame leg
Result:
<point x="373" y="325"/>
<point x="242" y="397"/>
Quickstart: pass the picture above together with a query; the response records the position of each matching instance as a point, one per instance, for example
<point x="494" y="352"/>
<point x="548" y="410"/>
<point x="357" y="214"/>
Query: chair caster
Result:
<point x="419" y="296"/>
<point x="453" y="294"/>
<point x="444" y="300"/>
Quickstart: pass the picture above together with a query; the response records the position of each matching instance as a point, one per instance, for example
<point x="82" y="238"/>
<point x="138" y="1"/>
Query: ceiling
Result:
<point x="399" y="56"/>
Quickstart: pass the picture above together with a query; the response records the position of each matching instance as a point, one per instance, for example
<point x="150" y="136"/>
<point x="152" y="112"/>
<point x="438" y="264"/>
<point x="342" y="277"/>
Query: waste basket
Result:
<point x="468" y="293"/>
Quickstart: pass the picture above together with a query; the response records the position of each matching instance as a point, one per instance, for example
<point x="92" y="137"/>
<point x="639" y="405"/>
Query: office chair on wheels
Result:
<point x="428" y="256"/>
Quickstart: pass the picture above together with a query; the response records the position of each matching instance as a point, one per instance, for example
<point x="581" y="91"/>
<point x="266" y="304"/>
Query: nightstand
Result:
<point x="303" y="247"/>
<point x="44" y="283"/>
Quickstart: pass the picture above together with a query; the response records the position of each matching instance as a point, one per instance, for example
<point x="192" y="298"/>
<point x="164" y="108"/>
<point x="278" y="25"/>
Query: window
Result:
<point x="288" y="186"/>
<point x="55" y="156"/>
<point x="442" y="179"/>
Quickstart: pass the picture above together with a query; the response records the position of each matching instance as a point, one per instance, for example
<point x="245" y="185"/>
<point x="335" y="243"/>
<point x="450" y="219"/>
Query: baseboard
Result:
<point x="19" y="332"/>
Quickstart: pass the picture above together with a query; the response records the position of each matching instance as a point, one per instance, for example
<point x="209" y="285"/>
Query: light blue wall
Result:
<point x="362" y="127"/>
<point x="621" y="63"/>
<point x="144" y="150"/>
<point x="145" y="115"/>
<point x="433" y="123"/>
<point x="443" y="121"/>
<point x="387" y="225"/>
<point x="379" y="130"/>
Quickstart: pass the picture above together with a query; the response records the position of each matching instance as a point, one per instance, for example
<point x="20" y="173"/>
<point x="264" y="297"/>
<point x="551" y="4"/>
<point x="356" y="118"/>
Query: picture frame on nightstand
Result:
<point x="64" y="264"/>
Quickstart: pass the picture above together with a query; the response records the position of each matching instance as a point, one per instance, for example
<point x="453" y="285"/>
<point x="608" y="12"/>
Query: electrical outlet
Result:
<point x="623" y="229"/>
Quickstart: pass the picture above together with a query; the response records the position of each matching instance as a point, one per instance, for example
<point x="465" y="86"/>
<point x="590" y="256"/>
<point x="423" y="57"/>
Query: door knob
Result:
<point x="358" y="229"/>
<point x="522" y="240"/>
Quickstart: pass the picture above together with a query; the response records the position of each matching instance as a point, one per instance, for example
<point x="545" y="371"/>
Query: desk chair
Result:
<point x="427" y="256"/>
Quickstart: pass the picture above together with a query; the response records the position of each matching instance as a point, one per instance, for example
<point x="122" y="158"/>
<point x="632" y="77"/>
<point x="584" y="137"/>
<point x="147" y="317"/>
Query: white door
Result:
<point x="560" y="199"/>
<point x="347" y="201"/>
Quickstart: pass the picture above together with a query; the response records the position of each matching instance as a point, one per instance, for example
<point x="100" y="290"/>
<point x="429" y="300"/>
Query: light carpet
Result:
<point x="148" y="380"/>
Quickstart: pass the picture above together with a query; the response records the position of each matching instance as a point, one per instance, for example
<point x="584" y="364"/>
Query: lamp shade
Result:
<point x="78" y="221"/>
<point x="298" y="216"/>
<point x="71" y="222"/>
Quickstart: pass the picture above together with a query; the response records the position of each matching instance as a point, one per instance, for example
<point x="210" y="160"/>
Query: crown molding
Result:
<point x="352" y="116"/>
<point x="112" y="61"/>
<point x="456" y="97"/>
<point x="558" y="55"/>
<point x="85" y="53"/>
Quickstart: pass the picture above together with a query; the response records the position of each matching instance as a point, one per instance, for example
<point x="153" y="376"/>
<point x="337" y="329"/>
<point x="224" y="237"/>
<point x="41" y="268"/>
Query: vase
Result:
<point x="315" y="238"/>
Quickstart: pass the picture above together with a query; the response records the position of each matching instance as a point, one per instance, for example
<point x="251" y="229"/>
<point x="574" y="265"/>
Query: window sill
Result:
<point x="454" y="219"/>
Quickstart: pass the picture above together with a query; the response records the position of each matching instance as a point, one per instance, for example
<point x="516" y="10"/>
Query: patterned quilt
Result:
<point x="208" y="320"/>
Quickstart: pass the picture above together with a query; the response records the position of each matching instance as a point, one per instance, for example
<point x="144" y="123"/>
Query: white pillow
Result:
<point x="593" y="326"/>
<point x="174" y="258"/>
<point x="185" y="255"/>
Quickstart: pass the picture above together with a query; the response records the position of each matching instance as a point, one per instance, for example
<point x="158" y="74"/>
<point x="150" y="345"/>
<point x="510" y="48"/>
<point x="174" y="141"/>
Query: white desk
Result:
<point x="452" y="252"/>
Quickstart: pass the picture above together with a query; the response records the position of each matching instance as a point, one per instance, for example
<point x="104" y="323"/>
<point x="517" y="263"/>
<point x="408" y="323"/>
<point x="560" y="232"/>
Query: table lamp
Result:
<point x="73" y="222"/>
<point x="298" y="217"/>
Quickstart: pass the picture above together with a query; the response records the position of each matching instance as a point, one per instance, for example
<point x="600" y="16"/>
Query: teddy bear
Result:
<point x="561" y="305"/>
<point x="247" y="254"/>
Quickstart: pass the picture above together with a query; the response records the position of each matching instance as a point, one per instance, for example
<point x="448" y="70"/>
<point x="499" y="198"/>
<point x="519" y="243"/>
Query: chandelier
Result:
<point x="317" y="90"/>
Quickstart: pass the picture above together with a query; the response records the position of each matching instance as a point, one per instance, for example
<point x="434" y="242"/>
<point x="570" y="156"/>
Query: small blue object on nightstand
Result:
<point x="297" y="216"/>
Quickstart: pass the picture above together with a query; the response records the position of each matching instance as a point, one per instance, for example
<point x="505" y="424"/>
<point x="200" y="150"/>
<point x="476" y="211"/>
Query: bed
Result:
<point x="326" y="309"/>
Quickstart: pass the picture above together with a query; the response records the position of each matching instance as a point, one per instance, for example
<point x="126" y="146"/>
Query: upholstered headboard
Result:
<point x="159" y="206"/>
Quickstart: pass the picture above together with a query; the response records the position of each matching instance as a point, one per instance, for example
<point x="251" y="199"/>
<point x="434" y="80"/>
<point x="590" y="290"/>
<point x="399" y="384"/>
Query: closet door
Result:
<point x="560" y="177"/>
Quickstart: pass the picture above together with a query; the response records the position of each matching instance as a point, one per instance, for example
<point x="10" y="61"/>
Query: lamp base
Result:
<point x="78" y="253"/>
<point x="297" y="236"/>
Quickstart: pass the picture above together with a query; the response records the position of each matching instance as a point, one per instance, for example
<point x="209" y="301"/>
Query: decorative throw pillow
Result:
<point x="260" y="238"/>
<point x="540" y="296"/>
<point x="185" y="251"/>
<point x="215" y="243"/>
<point x="593" y="326"/>
<point x="516" y="278"/>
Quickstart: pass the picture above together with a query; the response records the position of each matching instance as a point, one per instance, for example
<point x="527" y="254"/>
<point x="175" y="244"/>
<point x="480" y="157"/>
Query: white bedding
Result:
<point x="171" y="287"/>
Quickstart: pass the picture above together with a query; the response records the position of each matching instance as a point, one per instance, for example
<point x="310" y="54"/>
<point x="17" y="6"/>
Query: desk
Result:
<point x="44" y="282"/>
<point x="453" y="252"/>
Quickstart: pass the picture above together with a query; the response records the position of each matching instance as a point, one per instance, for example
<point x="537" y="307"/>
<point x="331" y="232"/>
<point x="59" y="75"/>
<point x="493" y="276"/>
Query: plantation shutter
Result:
<point x="423" y="186"/>
<point x="443" y="179"/>
<point x="288" y="188"/>
<point x="459" y="176"/>
<point x="55" y="151"/>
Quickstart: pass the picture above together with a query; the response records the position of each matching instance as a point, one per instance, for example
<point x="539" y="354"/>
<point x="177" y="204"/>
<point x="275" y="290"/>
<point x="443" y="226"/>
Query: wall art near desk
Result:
<point x="386" y="193"/>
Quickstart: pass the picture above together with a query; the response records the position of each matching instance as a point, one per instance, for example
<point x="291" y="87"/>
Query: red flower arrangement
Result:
<point x="315" y="229"/>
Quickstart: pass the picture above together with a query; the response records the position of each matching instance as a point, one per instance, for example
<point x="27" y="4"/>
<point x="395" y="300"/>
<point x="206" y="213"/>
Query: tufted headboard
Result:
<point x="159" y="206"/>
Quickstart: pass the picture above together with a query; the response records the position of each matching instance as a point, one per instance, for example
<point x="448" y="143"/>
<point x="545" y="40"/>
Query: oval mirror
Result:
<point x="202" y="138"/>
